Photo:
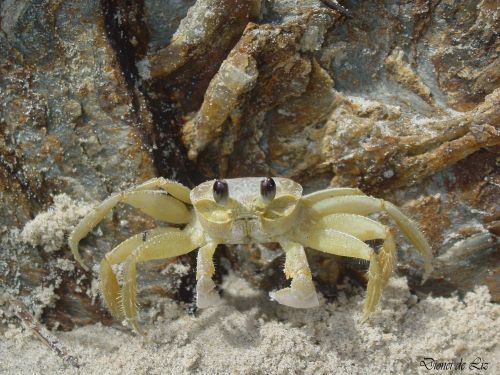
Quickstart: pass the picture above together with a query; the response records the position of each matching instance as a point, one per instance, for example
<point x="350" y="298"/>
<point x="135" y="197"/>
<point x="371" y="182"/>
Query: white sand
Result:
<point x="252" y="335"/>
<point x="50" y="229"/>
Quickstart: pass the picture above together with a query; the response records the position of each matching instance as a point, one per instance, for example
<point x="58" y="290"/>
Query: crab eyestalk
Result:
<point x="267" y="189"/>
<point x="221" y="192"/>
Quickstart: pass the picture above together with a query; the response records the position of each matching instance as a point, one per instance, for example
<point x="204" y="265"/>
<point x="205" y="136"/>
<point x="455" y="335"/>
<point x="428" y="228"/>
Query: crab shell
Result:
<point x="246" y="218"/>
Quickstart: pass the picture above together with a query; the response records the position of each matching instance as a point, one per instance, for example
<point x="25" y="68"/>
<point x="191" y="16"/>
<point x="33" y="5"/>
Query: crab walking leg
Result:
<point x="157" y="204"/>
<point x="353" y="204"/>
<point x="301" y="293"/>
<point x="374" y="288"/>
<point x="329" y="193"/>
<point x="206" y="294"/>
<point x="387" y="258"/>
<point x="174" y="188"/>
<point x="365" y="205"/>
<point x="166" y="245"/>
<point x="340" y="243"/>
<point x="410" y="229"/>
<point x="334" y="242"/>
<point x="108" y="282"/>
<point x="364" y="229"/>
<point x="358" y="226"/>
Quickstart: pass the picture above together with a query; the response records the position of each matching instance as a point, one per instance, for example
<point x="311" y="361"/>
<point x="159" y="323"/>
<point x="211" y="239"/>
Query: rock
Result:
<point x="198" y="34"/>
<point x="386" y="150"/>
<point x="278" y="69"/>
<point x="69" y="124"/>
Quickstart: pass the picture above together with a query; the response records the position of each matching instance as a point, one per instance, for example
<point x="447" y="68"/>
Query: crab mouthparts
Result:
<point x="247" y="229"/>
<point x="246" y="217"/>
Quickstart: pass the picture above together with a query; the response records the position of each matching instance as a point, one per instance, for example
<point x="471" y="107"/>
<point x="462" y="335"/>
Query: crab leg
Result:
<point x="374" y="287"/>
<point x="206" y="294"/>
<point x="155" y="203"/>
<point x="334" y="242"/>
<point x="339" y="243"/>
<point x="387" y="258"/>
<point x="301" y="293"/>
<point x="174" y="188"/>
<point x="364" y="229"/>
<point x="381" y="263"/>
<point x="365" y="205"/>
<point x="358" y="204"/>
<point x="410" y="229"/>
<point x="329" y="193"/>
<point x="356" y="225"/>
<point x="162" y="246"/>
<point x="108" y="282"/>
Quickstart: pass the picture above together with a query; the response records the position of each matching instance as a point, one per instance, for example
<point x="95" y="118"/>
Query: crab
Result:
<point x="249" y="210"/>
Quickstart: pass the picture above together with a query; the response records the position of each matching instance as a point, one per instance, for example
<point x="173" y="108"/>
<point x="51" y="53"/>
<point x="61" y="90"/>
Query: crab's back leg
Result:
<point x="381" y="263"/>
<point x="364" y="229"/>
<point x="374" y="287"/>
<point x="329" y="193"/>
<point x="166" y="245"/>
<point x="358" y="226"/>
<point x="108" y="283"/>
<point x="354" y="204"/>
<point x="334" y="241"/>
<point x="410" y="229"/>
<point x="206" y="294"/>
<point x="301" y="293"/>
<point x="157" y="204"/>
<point x="365" y="205"/>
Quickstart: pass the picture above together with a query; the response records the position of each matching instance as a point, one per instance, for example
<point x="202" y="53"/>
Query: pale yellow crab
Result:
<point x="249" y="211"/>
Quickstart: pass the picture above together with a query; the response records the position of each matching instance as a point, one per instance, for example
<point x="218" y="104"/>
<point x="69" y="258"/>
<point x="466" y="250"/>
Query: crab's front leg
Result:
<point x="167" y="204"/>
<point x="343" y="235"/>
<point x="363" y="229"/>
<point x="301" y="293"/>
<point x="170" y="244"/>
<point x="108" y="282"/>
<point x="206" y="294"/>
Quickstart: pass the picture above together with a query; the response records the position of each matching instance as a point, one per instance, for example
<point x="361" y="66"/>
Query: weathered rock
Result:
<point x="269" y="71"/>
<point x="466" y="63"/>
<point x="387" y="149"/>
<point x="210" y="27"/>
<point x="69" y="124"/>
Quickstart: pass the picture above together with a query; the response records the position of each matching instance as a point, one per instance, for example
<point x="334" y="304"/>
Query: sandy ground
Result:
<point x="251" y="335"/>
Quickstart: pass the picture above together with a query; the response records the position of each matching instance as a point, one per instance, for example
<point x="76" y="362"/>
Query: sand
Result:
<point x="249" y="334"/>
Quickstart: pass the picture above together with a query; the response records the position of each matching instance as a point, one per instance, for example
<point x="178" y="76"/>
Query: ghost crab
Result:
<point x="245" y="211"/>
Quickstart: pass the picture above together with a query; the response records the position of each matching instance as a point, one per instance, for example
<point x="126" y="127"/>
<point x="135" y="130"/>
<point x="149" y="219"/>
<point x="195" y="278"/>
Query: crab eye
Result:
<point x="220" y="191"/>
<point x="267" y="189"/>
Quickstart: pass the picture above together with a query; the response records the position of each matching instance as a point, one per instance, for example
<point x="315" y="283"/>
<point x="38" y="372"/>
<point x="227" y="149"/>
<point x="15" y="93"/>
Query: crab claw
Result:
<point x="206" y="294"/>
<point x="301" y="295"/>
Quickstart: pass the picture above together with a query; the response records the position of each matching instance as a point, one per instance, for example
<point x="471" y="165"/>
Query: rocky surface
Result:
<point x="401" y="100"/>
